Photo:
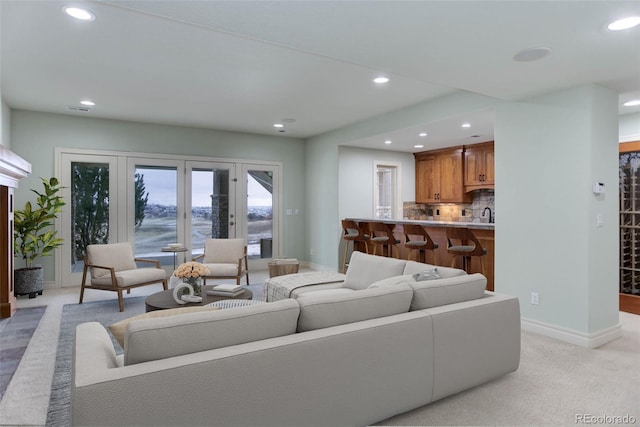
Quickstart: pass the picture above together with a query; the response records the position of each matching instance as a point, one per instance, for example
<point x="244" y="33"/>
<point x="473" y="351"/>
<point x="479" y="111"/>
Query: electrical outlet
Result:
<point x="437" y="211"/>
<point x="464" y="212"/>
<point x="312" y="252"/>
<point x="534" y="298"/>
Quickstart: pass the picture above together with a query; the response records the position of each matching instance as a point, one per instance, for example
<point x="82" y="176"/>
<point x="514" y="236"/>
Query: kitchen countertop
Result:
<point x="431" y="223"/>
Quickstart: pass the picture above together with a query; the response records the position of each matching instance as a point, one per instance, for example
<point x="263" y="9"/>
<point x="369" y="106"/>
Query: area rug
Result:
<point x="105" y="312"/>
<point x="14" y="339"/>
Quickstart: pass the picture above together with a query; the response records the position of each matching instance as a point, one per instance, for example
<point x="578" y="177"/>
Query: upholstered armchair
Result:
<point x="225" y="259"/>
<point x="113" y="268"/>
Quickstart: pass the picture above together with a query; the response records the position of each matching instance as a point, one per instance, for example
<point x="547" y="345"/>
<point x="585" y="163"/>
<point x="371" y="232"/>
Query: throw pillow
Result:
<point x="118" y="329"/>
<point x="426" y="275"/>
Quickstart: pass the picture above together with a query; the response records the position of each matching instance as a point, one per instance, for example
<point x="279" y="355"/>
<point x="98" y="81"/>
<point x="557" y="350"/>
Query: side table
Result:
<point x="175" y="253"/>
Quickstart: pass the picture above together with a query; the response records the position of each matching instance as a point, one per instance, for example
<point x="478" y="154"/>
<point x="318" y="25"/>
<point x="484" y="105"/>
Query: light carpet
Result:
<point x="555" y="383"/>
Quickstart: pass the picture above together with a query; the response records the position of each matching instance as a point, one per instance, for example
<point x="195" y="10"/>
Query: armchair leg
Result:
<point x="81" y="293"/>
<point x="247" y="278"/>
<point x="120" y="300"/>
<point x="164" y="284"/>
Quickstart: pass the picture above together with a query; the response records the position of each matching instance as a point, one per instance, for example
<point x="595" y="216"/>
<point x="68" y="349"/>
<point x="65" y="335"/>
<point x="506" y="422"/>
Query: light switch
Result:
<point x="599" y="220"/>
<point x="289" y="211"/>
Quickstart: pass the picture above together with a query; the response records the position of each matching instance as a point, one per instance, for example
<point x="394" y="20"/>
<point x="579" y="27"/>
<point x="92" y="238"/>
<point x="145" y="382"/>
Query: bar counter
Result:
<point x="437" y="230"/>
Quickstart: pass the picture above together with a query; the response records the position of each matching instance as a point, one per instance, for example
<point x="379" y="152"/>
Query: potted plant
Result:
<point x="34" y="237"/>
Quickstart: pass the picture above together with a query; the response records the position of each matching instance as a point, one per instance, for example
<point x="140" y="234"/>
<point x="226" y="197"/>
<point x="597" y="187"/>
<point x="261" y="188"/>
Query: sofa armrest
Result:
<point x="474" y="341"/>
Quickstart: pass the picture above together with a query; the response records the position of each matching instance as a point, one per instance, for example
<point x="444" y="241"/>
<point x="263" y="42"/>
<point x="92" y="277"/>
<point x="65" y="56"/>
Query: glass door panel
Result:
<point x="155" y="211"/>
<point x="212" y="201"/>
<point x="259" y="214"/>
<point x="90" y="184"/>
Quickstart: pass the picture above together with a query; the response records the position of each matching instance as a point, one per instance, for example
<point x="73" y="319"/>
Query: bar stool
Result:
<point x="381" y="235"/>
<point x="356" y="234"/>
<point x="458" y="239"/>
<point x="422" y="245"/>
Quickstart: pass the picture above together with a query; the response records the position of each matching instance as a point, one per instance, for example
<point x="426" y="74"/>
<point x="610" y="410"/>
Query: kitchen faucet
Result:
<point x="490" y="217"/>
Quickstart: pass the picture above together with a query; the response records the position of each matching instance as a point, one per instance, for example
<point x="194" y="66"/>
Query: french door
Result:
<point x="152" y="201"/>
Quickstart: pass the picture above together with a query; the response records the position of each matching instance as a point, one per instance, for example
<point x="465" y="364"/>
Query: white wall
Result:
<point x="629" y="127"/>
<point x="35" y="136"/>
<point x="548" y="152"/>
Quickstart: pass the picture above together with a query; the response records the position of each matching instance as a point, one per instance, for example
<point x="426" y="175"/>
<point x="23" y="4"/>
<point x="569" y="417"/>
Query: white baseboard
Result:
<point x="588" y="340"/>
<point x="317" y="267"/>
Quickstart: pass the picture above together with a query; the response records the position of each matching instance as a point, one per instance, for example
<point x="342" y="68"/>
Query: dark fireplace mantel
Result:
<point x="12" y="169"/>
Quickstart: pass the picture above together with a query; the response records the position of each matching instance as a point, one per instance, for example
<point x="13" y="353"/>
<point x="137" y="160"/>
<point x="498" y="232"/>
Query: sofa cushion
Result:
<point x="392" y="281"/>
<point x="365" y="269"/>
<point x="160" y="338"/>
<point x="413" y="267"/>
<point x="119" y="329"/>
<point x="434" y="293"/>
<point x="322" y="309"/>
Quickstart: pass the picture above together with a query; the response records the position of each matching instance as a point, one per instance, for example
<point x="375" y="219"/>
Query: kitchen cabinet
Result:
<point x="439" y="176"/>
<point x="479" y="167"/>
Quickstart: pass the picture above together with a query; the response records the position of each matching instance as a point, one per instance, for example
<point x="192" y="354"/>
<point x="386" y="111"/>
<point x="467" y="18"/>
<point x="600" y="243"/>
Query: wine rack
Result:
<point x="630" y="223"/>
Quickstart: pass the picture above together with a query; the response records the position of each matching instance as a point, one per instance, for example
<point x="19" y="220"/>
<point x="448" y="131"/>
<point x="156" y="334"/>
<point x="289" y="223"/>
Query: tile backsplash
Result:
<point x="453" y="212"/>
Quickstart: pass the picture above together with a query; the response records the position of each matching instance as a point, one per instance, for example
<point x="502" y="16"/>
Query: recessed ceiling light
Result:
<point x="632" y="103"/>
<point x="381" y="80"/>
<point x="289" y="120"/>
<point x="278" y="125"/>
<point x="388" y="141"/>
<point x="418" y="146"/>
<point x="531" y="54"/>
<point x="625" y="23"/>
<point x="422" y="134"/>
<point x="78" y="13"/>
<point x="466" y="125"/>
<point x="87" y="102"/>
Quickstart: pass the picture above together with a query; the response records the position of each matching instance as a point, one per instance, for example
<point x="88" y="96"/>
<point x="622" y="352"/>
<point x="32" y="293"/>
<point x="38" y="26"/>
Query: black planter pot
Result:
<point x="28" y="281"/>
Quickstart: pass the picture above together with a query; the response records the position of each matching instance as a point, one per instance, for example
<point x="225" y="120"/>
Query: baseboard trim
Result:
<point x="588" y="340"/>
<point x="317" y="267"/>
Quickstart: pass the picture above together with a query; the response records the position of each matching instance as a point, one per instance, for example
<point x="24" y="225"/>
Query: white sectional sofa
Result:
<point x="325" y="358"/>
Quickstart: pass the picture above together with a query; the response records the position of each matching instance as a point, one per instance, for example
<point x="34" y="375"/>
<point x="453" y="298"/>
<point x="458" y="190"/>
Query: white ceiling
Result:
<point x="244" y="65"/>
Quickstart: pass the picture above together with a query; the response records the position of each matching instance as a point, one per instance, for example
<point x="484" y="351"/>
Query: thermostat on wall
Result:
<point x="598" y="187"/>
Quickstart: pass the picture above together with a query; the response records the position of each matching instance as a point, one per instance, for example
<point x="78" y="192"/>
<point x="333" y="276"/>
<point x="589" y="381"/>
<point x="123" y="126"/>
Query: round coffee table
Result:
<point x="164" y="300"/>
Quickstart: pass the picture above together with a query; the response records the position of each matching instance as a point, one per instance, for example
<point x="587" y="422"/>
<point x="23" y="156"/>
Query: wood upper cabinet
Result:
<point x="439" y="176"/>
<point x="478" y="166"/>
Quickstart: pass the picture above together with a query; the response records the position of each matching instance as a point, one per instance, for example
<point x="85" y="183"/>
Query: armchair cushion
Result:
<point x="224" y="269"/>
<point x="131" y="277"/>
<point x="116" y="255"/>
<point x="223" y="251"/>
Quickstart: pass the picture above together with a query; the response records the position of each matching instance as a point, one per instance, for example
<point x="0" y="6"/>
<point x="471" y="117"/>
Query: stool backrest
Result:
<point x="352" y="230"/>
<point x="417" y="230"/>
<point x="465" y="237"/>
<point x="381" y="229"/>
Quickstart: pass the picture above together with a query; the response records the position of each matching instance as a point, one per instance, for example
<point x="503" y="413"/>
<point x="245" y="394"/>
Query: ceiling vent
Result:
<point x="78" y="108"/>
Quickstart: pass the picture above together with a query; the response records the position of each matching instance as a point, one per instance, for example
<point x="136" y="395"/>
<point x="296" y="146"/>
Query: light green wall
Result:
<point x="322" y="157"/>
<point x="35" y="135"/>
<point x="630" y="127"/>
<point x="355" y="174"/>
<point x="5" y="125"/>
<point x="548" y="152"/>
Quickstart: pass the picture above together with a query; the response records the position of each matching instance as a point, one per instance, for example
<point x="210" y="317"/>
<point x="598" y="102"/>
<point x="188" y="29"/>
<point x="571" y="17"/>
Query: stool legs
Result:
<point x="344" y="260"/>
